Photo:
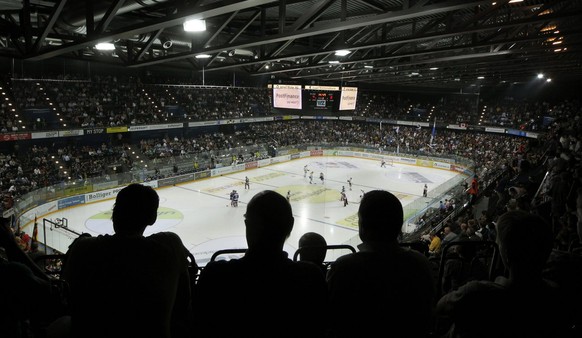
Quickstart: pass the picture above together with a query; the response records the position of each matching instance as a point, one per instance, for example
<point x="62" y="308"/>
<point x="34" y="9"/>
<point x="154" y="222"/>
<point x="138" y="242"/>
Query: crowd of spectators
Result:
<point x="110" y="101"/>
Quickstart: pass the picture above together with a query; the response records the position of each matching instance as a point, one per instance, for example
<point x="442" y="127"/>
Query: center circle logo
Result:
<point x="316" y="193"/>
<point x="167" y="217"/>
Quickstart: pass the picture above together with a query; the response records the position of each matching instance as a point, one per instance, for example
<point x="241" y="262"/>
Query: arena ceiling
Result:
<point x="434" y="43"/>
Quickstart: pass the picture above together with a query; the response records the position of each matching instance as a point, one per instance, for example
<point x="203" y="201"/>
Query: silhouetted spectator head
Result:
<point x="269" y="221"/>
<point x="380" y="217"/>
<point x="524" y="165"/>
<point x="136" y="207"/>
<point x="313" y="248"/>
<point x="525" y="241"/>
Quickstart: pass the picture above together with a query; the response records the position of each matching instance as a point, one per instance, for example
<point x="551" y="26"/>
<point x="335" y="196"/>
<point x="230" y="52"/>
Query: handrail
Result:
<point x="533" y="203"/>
<point x="477" y="245"/>
<point x="327" y="247"/>
<point x="227" y="251"/>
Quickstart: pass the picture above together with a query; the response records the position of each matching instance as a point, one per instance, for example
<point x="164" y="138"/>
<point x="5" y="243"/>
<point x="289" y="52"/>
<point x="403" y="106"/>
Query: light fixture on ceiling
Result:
<point x="342" y="52"/>
<point x="202" y="56"/>
<point x="195" y="25"/>
<point x="166" y="42"/>
<point x="241" y="52"/>
<point x="105" y="46"/>
<point x="511" y="2"/>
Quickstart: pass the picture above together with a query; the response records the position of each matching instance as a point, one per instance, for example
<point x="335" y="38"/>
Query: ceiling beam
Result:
<point x="209" y="11"/>
<point x="407" y="14"/>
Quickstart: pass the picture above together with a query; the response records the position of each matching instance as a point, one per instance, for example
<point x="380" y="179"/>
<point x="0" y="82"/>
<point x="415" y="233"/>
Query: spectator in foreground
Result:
<point x="523" y="304"/>
<point x="128" y="285"/>
<point x="384" y="289"/>
<point x="313" y="248"/>
<point x="27" y="301"/>
<point x="264" y="293"/>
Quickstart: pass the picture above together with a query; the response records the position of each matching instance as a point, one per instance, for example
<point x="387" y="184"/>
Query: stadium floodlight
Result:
<point x="105" y="46"/>
<point x="195" y="25"/>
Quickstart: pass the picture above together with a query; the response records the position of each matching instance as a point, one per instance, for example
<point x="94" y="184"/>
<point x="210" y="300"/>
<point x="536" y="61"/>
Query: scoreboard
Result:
<point x="312" y="99"/>
<point x="321" y="98"/>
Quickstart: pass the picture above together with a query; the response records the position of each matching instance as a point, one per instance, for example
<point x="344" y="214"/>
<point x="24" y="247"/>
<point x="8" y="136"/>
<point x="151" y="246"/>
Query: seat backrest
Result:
<point x="486" y="251"/>
<point x="328" y="248"/>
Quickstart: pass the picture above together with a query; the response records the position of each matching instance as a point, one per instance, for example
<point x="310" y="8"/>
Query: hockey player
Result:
<point x="235" y="199"/>
<point x="344" y="198"/>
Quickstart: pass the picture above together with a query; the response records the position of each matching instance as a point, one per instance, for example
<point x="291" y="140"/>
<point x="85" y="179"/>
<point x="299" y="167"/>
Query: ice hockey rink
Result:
<point x="200" y="212"/>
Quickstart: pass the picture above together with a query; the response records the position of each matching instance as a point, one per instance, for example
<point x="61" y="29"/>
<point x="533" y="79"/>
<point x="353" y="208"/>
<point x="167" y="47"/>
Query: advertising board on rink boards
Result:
<point x="406" y="160"/>
<point x="71" y="201"/>
<point x="42" y="209"/>
<point x="280" y="159"/>
<point x="441" y="165"/>
<point x="251" y="165"/>
<point x="345" y="153"/>
<point x="264" y="162"/>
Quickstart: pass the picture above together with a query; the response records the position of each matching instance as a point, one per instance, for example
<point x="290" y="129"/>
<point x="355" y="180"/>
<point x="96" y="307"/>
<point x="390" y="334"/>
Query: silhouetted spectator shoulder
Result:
<point x="25" y="291"/>
<point x="128" y="284"/>
<point x="264" y="293"/>
<point x="521" y="304"/>
<point x="387" y="290"/>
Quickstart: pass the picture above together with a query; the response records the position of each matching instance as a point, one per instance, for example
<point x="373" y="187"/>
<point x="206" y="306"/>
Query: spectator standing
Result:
<point x="126" y="284"/>
<point x="395" y="283"/>
<point x="280" y="297"/>
<point x="473" y="189"/>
